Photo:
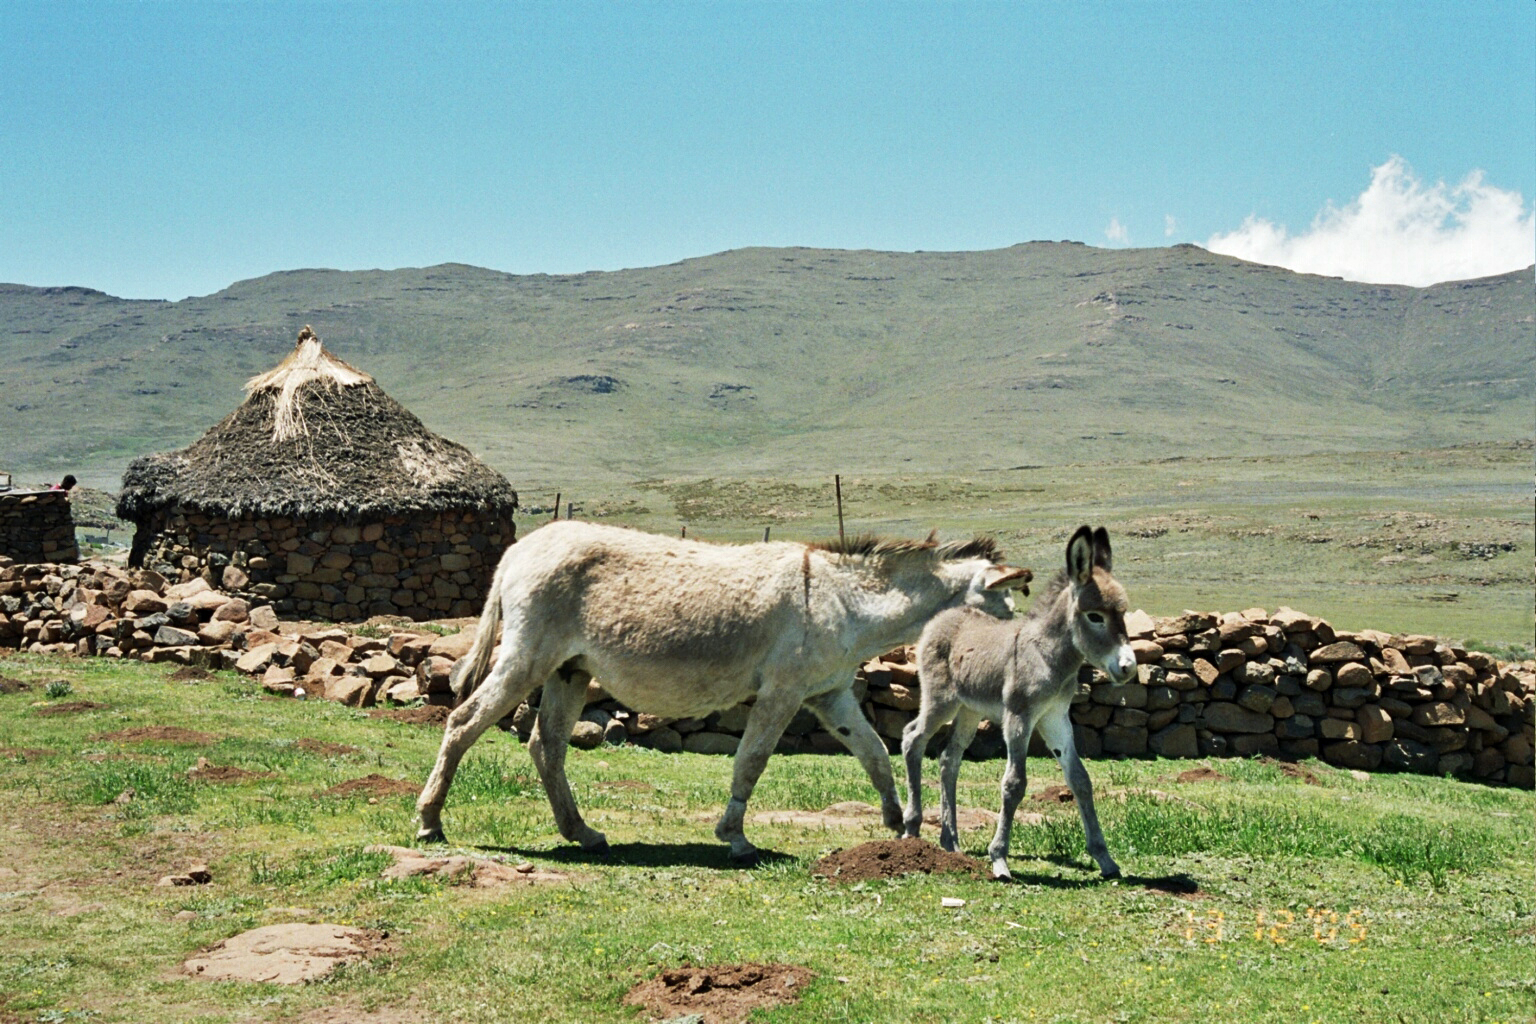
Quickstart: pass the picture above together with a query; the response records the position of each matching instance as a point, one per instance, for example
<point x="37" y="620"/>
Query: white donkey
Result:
<point x="681" y="628"/>
<point x="1023" y="673"/>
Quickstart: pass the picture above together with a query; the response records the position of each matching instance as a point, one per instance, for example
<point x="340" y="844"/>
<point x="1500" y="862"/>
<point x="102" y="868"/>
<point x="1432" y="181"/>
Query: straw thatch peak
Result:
<point x="308" y="363"/>
<point x="315" y="436"/>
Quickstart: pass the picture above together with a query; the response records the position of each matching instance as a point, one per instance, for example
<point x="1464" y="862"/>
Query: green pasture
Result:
<point x="1437" y="541"/>
<point x="1280" y="893"/>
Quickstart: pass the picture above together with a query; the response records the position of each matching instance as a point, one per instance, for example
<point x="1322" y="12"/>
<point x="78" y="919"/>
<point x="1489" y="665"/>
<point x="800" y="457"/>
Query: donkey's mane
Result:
<point x="874" y="545"/>
<point x="1048" y="596"/>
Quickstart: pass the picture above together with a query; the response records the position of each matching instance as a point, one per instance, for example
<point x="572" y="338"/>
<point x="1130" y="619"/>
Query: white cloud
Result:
<point x="1400" y="231"/>
<point x="1170" y="225"/>
<point x="1116" y="231"/>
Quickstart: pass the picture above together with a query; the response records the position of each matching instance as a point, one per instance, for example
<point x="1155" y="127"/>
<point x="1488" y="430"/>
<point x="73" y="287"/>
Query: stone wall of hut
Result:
<point x="425" y="565"/>
<point x="37" y="526"/>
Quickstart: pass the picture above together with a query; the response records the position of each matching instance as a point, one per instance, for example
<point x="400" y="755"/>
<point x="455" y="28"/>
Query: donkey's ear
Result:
<point x="1101" y="553"/>
<point x="1080" y="555"/>
<point x="1006" y="577"/>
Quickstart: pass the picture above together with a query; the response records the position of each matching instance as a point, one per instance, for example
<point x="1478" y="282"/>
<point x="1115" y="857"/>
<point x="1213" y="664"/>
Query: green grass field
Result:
<point x="1438" y="541"/>
<point x="1261" y="897"/>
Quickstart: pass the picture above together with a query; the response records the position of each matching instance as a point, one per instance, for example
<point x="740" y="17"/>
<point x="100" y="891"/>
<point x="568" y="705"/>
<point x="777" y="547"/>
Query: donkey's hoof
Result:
<point x="1000" y="871"/>
<point x="750" y="859"/>
<point x="1113" y="871"/>
<point x="430" y="835"/>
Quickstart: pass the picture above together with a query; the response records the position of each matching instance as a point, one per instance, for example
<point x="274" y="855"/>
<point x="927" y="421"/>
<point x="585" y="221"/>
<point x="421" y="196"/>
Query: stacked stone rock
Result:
<point x="37" y="526"/>
<point x="427" y="566"/>
<point x="1241" y="684"/>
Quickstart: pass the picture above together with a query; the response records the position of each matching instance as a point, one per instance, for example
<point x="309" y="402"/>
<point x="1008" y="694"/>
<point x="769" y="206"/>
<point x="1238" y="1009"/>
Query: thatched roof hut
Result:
<point x="315" y="437"/>
<point x="326" y="497"/>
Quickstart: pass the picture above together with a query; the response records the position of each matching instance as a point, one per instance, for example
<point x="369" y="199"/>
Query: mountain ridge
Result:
<point x="796" y="361"/>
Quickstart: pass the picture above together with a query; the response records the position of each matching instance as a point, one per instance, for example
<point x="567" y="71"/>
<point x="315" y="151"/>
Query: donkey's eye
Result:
<point x="1097" y="618"/>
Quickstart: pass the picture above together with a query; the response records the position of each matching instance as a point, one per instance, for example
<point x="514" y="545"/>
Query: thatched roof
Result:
<point x="315" y="438"/>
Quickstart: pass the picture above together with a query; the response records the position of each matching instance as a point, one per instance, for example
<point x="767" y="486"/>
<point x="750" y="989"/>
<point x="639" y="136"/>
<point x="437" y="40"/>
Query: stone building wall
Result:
<point x="426" y="565"/>
<point x="37" y="526"/>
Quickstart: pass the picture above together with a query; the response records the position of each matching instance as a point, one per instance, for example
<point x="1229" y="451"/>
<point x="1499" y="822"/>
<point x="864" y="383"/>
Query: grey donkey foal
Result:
<point x="1023" y="673"/>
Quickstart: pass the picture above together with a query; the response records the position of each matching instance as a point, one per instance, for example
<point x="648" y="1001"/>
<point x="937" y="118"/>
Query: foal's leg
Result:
<point x="508" y="683"/>
<point x="770" y="715"/>
<point x="839" y="711"/>
<point x="1016" y="730"/>
<point x="932" y="716"/>
<point x="960" y="737"/>
<point x="1056" y="730"/>
<point x="562" y="704"/>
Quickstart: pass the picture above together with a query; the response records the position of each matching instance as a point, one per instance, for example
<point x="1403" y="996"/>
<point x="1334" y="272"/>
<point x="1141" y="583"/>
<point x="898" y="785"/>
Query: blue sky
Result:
<point x="156" y="150"/>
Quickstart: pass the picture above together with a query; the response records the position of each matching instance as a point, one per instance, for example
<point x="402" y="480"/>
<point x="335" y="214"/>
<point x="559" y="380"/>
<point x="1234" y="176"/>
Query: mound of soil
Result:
<point x="723" y="994"/>
<point x="69" y="707"/>
<point x="189" y="674"/>
<point x="1202" y="774"/>
<point x="26" y="753"/>
<point x="324" y="749"/>
<point x="1294" y="771"/>
<point x="374" y="785"/>
<point x="283" y="954"/>
<point x="203" y="771"/>
<point x="427" y="714"/>
<point x="891" y="858"/>
<point x="9" y="685"/>
<point x="158" y="734"/>
<point x="1054" y="794"/>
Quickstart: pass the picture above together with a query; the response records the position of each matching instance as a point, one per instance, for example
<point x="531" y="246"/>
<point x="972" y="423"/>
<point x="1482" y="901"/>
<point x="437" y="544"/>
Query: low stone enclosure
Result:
<point x="37" y="526"/>
<point x="1284" y="684"/>
<point x="428" y="565"/>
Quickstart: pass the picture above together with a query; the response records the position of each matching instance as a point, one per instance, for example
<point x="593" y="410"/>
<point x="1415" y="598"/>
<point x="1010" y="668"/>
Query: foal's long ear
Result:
<point x="1080" y="555"/>
<point x="1101" y="553"/>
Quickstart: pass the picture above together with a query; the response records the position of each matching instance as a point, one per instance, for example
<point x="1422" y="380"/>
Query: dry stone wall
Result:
<point x="1245" y="683"/>
<point x="425" y="566"/>
<point x="37" y="526"/>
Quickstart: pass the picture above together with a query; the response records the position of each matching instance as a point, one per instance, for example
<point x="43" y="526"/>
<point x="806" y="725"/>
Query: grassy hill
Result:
<point x="785" y="362"/>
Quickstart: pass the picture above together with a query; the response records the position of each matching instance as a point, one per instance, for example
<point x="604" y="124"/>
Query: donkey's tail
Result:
<point x="470" y="671"/>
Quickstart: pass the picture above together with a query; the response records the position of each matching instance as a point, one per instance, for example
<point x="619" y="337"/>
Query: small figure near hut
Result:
<point x="325" y="497"/>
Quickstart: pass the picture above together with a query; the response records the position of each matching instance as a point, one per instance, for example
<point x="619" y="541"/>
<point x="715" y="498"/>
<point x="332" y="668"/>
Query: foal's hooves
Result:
<point x="1111" y="873"/>
<point x="600" y="848"/>
<point x="747" y="860"/>
<point x="428" y="836"/>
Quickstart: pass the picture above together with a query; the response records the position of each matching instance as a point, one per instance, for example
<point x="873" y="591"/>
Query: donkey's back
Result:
<point x="962" y="657"/>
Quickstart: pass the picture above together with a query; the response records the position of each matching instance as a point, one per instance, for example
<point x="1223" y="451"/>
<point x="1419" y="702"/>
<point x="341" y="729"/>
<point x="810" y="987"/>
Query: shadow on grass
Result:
<point x="1173" y="885"/>
<point x="647" y="855"/>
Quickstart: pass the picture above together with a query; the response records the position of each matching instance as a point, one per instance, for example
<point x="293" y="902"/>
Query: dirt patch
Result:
<point x="1053" y="795"/>
<point x="9" y="685"/>
<point x="69" y="707"/>
<point x="373" y="785"/>
<point x="1294" y="771"/>
<point x="891" y="858"/>
<point x="481" y="872"/>
<point x="854" y="814"/>
<point x="189" y="674"/>
<point x="631" y="784"/>
<point x="723" y="994"/>
<point x="354" y="1014"/>
<point x="158" y="734"/>
<point x="284" y="954"/>
<point x="26" y="753"/>
<point x="427" y="714"/>
<point x="203" y="771"/>
<point x="324" y="749"/>
<point x="1202" y="774"/>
